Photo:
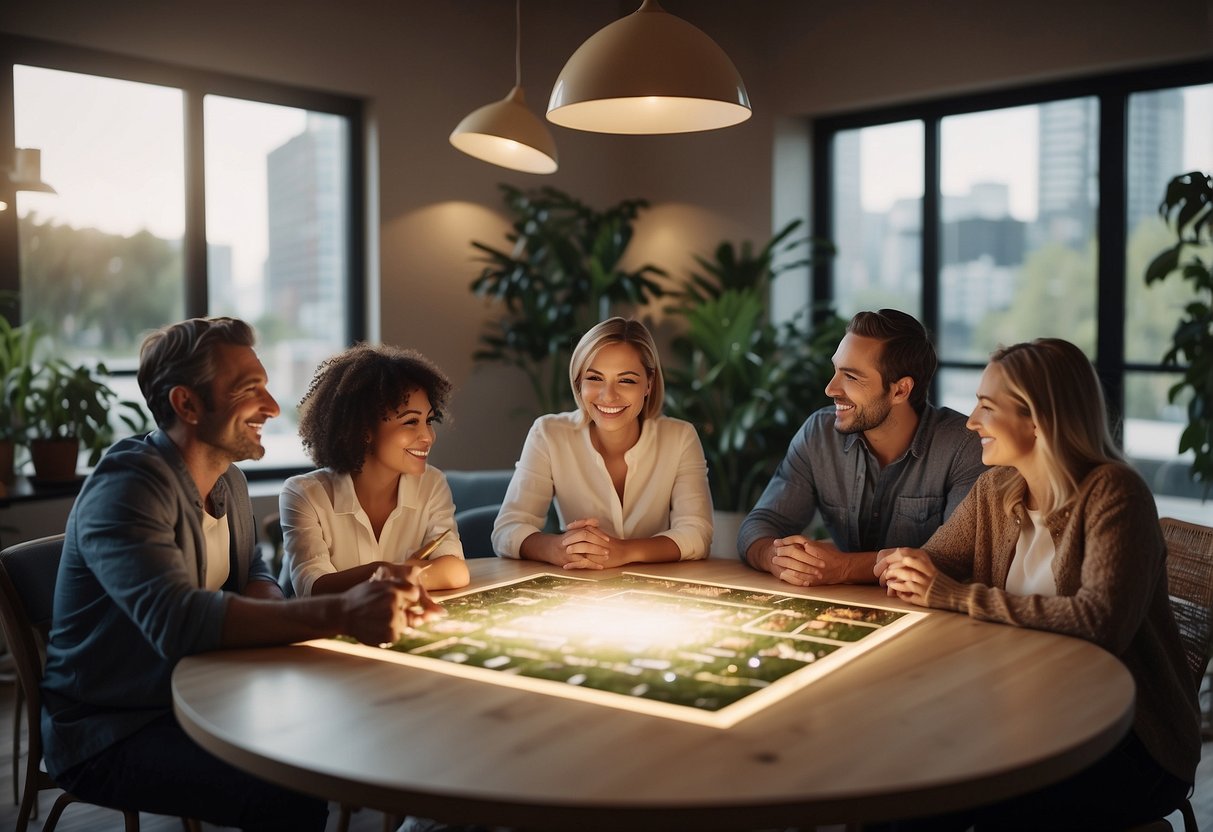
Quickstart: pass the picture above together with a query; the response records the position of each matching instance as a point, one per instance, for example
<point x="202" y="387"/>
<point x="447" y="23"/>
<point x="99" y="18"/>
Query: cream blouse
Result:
<point x="665" y="491"/>
<point x="1031" y="570"/>
<point x="325" y="529"/>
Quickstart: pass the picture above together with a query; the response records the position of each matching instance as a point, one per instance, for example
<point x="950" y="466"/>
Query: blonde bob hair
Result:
<point x="1056" y="387"/>
<point x="620" y="331"/>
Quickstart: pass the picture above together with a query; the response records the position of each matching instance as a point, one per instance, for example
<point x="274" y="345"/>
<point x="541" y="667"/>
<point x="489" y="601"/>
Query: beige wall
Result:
<point x="423" y="66"/>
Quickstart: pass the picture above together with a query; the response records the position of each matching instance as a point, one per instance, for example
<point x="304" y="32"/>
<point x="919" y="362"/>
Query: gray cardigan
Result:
<point x="128" y="599"/>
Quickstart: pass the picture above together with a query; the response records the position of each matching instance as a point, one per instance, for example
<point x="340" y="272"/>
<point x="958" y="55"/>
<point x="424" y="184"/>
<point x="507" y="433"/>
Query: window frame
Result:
<point x="195" y="85"/>
<point x="1112" y="91"/>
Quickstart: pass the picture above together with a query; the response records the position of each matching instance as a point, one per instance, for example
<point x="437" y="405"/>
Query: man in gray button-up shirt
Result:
<point x="882" y="466"/>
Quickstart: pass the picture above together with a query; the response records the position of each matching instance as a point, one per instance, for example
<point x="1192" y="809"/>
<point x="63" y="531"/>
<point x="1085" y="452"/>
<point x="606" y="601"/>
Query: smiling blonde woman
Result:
<point x="1060" y="534"/>
<point x="630" y="485"/>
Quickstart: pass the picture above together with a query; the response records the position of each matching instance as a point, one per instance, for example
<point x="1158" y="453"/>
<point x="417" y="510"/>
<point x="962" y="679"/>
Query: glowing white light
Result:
<point x="626" y="620"/>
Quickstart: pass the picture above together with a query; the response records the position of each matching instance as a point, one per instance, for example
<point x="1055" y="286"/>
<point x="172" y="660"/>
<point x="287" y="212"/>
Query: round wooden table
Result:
<point x="949" y="714"/>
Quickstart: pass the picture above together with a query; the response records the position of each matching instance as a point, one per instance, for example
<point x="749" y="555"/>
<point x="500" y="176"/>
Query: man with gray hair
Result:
<point x="160" y="562"/>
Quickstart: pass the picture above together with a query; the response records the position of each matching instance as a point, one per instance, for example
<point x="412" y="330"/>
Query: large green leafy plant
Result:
<point x="1188" y="208"/>
<point x="746" y="383"/>
<point x="560" y="274"/>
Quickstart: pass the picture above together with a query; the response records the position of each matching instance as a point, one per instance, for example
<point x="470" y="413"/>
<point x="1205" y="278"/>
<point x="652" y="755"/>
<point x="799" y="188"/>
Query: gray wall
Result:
<point x="425" y="65"/>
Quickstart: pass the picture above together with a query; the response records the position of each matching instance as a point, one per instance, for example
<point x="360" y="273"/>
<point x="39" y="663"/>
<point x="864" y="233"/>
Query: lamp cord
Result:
<point x="518" y="43"/>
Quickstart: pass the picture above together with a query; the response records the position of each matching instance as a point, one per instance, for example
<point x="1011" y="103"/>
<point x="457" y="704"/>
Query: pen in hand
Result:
<point x="429" y="548"/>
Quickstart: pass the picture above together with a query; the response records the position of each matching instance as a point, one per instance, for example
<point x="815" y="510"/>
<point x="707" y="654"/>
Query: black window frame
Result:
<point x="1112" y="91"/>
<point x="195" y="85"/>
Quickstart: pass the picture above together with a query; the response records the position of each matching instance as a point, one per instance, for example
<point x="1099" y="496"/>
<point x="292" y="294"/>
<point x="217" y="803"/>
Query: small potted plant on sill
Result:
<point x="67" y="407"/>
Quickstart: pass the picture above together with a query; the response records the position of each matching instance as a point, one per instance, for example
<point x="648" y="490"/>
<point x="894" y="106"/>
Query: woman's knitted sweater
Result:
<point x="1110" y="571"/>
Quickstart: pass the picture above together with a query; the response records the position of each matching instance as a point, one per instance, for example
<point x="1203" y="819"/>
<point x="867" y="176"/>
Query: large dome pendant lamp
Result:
<point x="506" y="132"/>
<point x="650" y="72"/>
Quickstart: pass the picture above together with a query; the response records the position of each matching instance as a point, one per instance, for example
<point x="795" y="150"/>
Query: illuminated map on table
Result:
<point x="700" y="652"/>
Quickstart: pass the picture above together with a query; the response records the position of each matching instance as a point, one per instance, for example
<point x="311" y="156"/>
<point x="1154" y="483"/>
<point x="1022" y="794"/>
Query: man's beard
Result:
<point x="864" y="418"/>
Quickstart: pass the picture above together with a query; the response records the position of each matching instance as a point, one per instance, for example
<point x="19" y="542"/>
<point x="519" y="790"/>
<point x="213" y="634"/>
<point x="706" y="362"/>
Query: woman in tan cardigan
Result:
<point x="1061" y="535"/>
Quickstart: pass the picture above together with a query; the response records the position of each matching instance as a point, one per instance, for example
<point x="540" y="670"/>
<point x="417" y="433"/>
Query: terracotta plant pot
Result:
<point x="54" y="459"/>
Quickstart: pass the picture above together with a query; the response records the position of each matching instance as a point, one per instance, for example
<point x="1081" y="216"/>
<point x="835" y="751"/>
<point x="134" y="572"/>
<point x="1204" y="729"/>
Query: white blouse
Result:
<point x="1031" y="570"/>
<point x="665" y="491"/>
<point x="325" y="529"/>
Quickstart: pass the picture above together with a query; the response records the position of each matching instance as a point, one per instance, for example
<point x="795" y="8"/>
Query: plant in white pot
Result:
<point x="67" y="407"/>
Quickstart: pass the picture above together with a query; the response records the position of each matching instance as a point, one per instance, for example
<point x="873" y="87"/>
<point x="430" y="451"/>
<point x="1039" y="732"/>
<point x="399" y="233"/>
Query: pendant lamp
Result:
<point x="506" y="132"/>
<point x="650" y="72"/>
<point x="26" y="172"/>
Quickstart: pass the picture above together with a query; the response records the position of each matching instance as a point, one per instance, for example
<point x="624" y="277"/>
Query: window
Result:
<point x="101" y="258"/>
<point x="277" y="247"/>
<point x="1018" y="215"/>
<point x="134" y="151"/>
<point x="878" y="218"/>
<point x="1038" y="218"/>
<point x="1168" y="132"/>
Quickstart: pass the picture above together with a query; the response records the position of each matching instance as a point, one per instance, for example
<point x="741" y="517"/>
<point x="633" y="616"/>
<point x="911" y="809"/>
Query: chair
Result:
<point x="27" y="588"/>
<point x="1190" y="585"/>
<point x="476" y="530"/>
<point x="271" y="527"/>
<point x="477" y="496"/>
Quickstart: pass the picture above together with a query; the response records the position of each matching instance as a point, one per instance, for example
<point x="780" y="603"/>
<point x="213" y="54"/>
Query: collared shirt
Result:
<point x="129" y="600"/>
<point x="326" y="530"/>
<point x="865" y="507"/>
<point x="665" y="491"/>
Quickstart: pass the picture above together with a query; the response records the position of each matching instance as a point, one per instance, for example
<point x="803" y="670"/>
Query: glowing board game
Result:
<point x="700" y="652"/>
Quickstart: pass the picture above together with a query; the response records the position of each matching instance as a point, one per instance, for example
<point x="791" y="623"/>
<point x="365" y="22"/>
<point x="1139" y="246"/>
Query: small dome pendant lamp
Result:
<point x="506" y="132"/>
<point x="650" y="72"/>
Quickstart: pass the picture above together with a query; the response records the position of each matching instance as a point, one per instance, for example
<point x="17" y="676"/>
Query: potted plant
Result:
<point x="745" y="383"/>
<point x="1188" y="208"/>
<point x="67" y="407"/>
<point x="17" y="347"/>
<point x="559" y="276"/>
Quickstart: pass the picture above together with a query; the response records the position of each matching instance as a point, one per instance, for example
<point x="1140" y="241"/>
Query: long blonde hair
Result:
<point x="1056" y="386"/>
<point x="620" y="331"/>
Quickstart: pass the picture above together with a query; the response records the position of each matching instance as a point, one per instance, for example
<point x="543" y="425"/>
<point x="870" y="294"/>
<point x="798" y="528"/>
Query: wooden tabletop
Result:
<point x="951" y="713"/>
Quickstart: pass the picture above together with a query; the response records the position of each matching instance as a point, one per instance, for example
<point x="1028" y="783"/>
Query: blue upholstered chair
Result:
<point x="477" y="496"/>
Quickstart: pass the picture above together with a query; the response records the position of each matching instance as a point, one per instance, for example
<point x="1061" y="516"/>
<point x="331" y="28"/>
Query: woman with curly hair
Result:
<point x="367" y="419"/>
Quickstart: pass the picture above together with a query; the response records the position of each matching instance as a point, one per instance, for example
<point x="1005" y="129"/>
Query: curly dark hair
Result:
<point x="355" y="390"/>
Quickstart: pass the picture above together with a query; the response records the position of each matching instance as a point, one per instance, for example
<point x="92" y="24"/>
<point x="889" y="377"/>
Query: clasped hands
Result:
<point x="800" y="561"/>
<point x="586" y="546"/>
<point x="906" y="573"/>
